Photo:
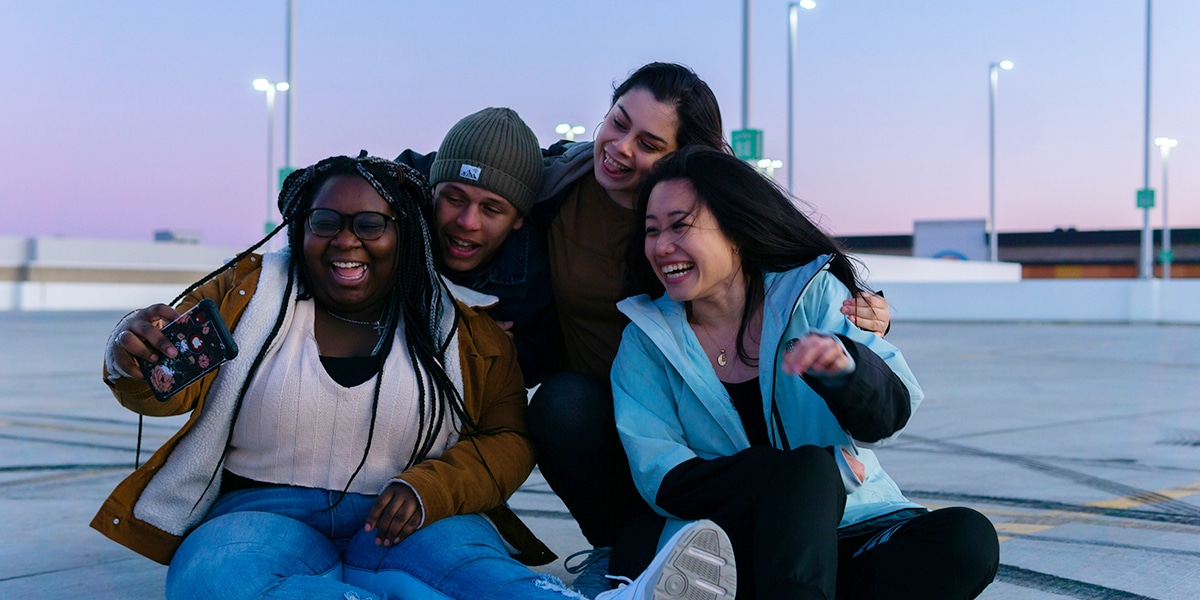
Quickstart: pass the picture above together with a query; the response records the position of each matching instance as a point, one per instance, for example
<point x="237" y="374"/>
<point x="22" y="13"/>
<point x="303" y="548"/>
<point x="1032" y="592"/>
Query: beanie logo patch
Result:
<point x="469" y="172"/>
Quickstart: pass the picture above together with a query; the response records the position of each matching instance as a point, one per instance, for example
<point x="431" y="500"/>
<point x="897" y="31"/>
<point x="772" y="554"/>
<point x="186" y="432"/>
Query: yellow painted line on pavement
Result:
<point x="1148" y="498"/>
<point x="1018" y="529"/>
<point x="1021" y="528"/>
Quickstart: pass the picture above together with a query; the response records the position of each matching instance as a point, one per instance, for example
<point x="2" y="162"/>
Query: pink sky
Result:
<point x="117" y="119"/>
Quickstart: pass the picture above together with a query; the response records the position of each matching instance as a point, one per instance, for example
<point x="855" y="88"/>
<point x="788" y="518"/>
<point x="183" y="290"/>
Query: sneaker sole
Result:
<point x="702" y="567"/>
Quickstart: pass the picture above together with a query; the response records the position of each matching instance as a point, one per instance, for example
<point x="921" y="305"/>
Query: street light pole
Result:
<point x="291" y="51"/>
<point x="266" y="85"/>
<point x="1164" y="146"/>
<point x="1146" y="270"/>
<point x="747" y="34"/>
<point x="993" y="77"/>
<point x="793" y="10"/>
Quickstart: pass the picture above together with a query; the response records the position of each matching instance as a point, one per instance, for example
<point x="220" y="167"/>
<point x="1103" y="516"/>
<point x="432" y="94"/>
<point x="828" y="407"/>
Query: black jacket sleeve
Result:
<point x="873" y="403"/>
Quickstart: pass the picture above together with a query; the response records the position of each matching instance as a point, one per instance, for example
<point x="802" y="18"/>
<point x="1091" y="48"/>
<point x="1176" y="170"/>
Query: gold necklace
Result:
<point x="721" y="360"/>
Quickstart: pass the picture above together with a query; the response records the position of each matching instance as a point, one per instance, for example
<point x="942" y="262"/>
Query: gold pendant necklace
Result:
<point x="721" y="360"/>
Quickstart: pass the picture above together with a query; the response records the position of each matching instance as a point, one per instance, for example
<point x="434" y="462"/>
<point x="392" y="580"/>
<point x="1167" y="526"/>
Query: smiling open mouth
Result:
<point x="613" y="165"/>
<point x="349" y="271"/>
<point x="461" y="247"/>
<point x="677" y="270"/>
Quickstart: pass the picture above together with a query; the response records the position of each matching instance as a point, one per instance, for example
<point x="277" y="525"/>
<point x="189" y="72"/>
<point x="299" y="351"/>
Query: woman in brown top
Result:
<point x="587" y="210"/>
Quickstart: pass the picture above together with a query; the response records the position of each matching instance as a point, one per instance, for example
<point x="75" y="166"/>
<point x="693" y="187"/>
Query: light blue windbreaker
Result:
<point x="670" y="406"/>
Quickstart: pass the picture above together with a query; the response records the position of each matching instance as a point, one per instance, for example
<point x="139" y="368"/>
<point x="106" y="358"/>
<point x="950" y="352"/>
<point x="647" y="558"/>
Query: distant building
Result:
<point x="961" y="239"/>
<point x="177" y="236"/>
<point x="1064" y="253"/>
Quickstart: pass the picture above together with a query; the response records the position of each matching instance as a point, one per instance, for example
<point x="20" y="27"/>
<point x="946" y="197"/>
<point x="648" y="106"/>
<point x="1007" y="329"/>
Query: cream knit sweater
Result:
<point x="297" y="426"/>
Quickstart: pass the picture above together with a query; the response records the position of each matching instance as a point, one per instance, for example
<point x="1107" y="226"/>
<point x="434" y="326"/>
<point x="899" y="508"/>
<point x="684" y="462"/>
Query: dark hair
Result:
<point x="694" y="102"/>
<point x="771" y="232"/>
<point x="699" y="125"/>
<point x="418" y="298"/>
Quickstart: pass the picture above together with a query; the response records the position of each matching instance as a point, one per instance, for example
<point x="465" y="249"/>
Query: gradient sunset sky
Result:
<point x="121" y="118"/>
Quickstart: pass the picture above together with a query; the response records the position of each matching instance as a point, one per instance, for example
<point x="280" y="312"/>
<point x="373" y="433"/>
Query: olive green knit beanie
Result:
<point x="495" y="150"/>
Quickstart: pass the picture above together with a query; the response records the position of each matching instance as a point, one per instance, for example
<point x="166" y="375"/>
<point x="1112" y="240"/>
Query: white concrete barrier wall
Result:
<point x="918" y="289"/>
<point x="882" y="269"/>
<point x="1048" y="300"/>
<point x="12" y="250"/>
<point x="38" y="296"/>
<point x="1042" y="300"/>
<point x="115" y="254"/>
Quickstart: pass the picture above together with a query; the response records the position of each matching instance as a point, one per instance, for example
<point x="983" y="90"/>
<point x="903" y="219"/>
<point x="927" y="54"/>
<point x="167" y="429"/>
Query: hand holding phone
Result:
<point x="202" y="343"/>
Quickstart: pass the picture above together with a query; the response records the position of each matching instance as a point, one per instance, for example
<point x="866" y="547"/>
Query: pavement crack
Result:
<point x="25" y="438"/>
<point x="1072" y="588"/>
<point x="1102" y="543"/>
<point x="130" y="422"/>
<point x="1091" y="481"/>
<point x="64" y="570"/>
<point x="1033" y="503"/>
<point x="66" y="467"/>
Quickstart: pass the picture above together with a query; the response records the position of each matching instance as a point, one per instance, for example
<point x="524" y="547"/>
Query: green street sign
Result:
<point x="1166" y="257"/>
<point x="1145" y="198"/>
<point x="283" y="174"/>
<point x="748" y="144"/>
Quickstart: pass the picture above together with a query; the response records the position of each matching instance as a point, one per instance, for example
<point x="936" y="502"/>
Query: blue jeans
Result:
<point x="292" y="542"/>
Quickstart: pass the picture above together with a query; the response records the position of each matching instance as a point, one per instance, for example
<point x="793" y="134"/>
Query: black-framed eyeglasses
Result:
<point x="367" y="225"/>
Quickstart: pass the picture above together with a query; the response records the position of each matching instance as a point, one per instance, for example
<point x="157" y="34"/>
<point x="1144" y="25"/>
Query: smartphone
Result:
<point x="203" y="342"/>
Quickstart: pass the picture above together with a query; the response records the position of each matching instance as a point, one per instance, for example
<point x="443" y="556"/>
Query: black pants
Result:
<point x="781" y="510"/>
<point x="571" y="421"/>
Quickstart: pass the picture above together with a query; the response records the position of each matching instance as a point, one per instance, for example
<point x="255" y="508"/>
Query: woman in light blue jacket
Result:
<point x="746" y="397"/>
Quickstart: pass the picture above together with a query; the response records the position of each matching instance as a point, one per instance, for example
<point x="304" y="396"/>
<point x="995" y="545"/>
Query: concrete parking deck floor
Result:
<point x="1080" y="442"/>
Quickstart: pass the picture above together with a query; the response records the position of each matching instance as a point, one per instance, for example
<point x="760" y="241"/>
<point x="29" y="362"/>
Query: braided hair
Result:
<point x="418" y="298"/>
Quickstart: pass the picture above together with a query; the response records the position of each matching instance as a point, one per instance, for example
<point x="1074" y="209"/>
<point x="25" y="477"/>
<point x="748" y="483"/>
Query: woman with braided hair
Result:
<point x="365" y="441"/>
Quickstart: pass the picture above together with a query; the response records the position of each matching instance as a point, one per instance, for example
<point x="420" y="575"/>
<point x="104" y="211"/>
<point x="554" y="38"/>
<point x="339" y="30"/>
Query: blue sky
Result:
<point x="117" y="119"/>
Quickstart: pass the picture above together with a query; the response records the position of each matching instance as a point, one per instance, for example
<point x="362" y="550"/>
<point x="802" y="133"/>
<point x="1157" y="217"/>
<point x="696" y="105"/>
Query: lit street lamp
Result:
<point x="993" y="76"/>
<point x="768" y="166"/>
<point x="569" y="131"/>
<point x="793" y="9"/>
<point x="1164" y="146"/>
<point x="265" y="85"/>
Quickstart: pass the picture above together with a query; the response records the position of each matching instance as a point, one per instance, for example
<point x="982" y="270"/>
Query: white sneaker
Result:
<point x="696" y="564"/>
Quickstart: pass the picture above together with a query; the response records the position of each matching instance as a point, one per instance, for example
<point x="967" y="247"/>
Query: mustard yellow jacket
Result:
<point x="457" y="482"/>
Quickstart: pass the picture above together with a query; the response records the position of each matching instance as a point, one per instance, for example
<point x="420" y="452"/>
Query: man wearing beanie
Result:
<point x="485" y="177"/>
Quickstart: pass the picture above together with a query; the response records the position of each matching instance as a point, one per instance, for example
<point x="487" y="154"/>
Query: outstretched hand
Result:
<point x="815" y="353"/>
<point x="395" y="515"/>
<point x="139" y="335"/>
<point x="869" y="312"/>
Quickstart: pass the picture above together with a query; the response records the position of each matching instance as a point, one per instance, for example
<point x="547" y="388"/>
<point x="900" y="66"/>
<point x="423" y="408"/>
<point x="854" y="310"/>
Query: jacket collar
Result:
<point x="664" y="321"/>
<point x="782" y="293"/>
